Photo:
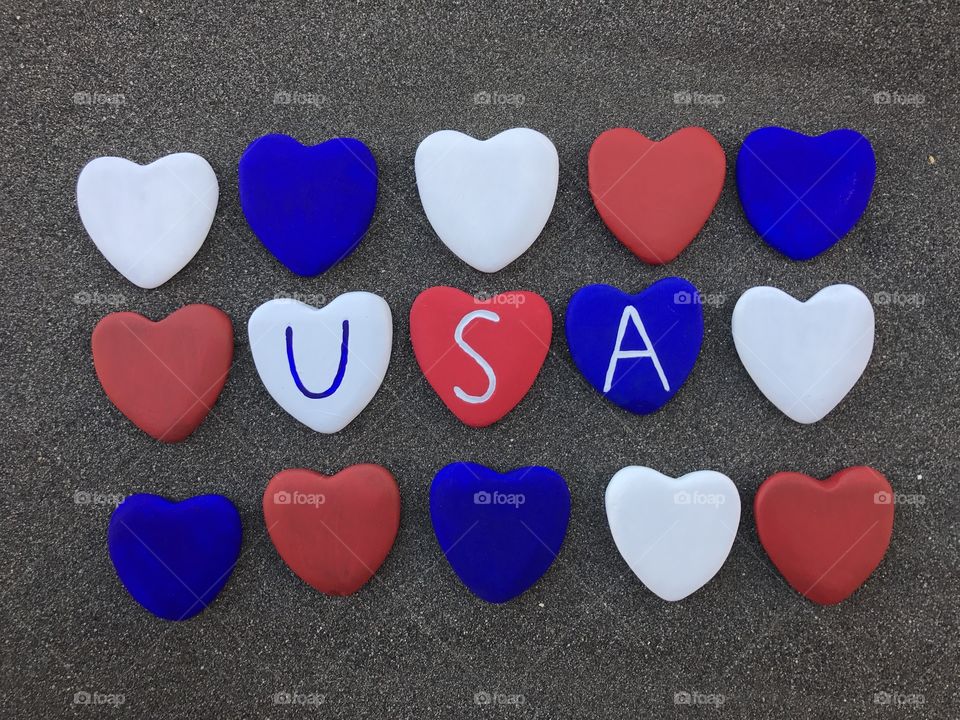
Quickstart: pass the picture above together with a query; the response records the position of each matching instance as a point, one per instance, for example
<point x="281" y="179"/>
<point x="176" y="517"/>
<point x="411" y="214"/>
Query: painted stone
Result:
<point x="333" y="532"/>
<point x="499" y="532"/>
<point x="174" y="558"/>
<point x="481" y="356"/>
<point x="309" y="204"/>
<point x="825" y="537"/>
<point x="656" y="196"/>
<point x="487" y="200"/>
<point x="675" y="534"/>
<point x="803" y="193"/>
<point x="804" y="356"/>
<point x="148" y="220"/>
<point x="322" y="365"/>
<point x="636" y="350"/>
<point x="164" y="376"/>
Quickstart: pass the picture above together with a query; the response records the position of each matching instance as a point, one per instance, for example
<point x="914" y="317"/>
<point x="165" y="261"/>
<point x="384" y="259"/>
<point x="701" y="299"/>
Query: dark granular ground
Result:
<point x="86" y="79"/>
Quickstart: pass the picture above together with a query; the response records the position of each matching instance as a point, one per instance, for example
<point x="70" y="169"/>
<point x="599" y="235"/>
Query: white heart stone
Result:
<point x="488" y="200"/>
<point x="340" y="355"/>
<point x="804" y="356"/>
<point x="675" y="534"/>
<point x="148" y="220"/>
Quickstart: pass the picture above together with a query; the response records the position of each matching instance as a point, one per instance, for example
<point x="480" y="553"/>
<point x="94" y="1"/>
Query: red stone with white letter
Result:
<point x="480" y="355"/>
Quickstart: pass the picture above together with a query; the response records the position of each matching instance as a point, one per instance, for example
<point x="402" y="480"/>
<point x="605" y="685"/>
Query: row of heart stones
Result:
<point x="481" y="356"/>
<point x="500" y="533"/>
<point x="488" y="201"/>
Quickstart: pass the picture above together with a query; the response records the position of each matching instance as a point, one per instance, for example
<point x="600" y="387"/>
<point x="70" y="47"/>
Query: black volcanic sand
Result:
<point x="588" y="640"/>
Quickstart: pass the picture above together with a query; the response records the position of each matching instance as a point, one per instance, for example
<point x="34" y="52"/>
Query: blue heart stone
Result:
<point x="802" y="193"/>
<point x="174" y="557"/>
<point x="637" y="350"/>
<point x="500" y="533"/>
<point x="309" y="205"/>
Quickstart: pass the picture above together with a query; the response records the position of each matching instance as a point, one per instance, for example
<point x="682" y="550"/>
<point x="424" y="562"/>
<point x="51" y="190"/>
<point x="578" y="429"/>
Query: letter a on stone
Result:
<point x="630" y="314"/>
<point x="611" y="345"/>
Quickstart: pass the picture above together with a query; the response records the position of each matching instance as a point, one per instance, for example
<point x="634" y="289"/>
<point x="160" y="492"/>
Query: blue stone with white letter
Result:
<point x="803" y="193"/>
<point x="499" y="532"/>
<point x="636" y="350"/>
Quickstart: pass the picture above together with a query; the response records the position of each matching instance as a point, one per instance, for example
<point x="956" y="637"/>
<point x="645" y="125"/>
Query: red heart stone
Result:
<point x="656" y="196"/>
<point x="503" y="343"/>
<point x="333" y="532"/>
<point x="825" y="537"/>
<point x="164" y="376"/>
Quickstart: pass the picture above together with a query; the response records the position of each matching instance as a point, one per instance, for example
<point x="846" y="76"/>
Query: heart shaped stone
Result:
<point x="675" y="534"/>
<point x="802" y="193"/>
<point x="804" y="356"/>
<point x="825" y="538"/>
<point x="148" y="220"/>
<point x="333" y="532"/>
<point x="487" y="200"/>
<point x="322" y="365"/>
<point x="656" y="196"/>
<point x="164" y="376"/>
<point x="636" y="350"/>
<point x="480" y="355"/>
<point x="174" y="558"/>
<point x="500" y="533"/>
<point x="309" y="205"/>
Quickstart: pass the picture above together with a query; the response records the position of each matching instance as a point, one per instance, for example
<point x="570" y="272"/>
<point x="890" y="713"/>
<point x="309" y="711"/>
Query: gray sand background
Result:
<point x="588" y="641"/>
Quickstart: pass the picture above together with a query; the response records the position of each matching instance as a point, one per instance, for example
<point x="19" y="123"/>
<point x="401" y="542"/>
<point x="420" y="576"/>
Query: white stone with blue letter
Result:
<point x="322" y="365"/>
